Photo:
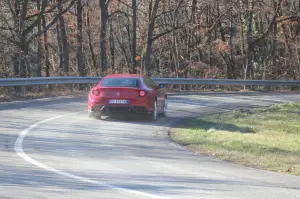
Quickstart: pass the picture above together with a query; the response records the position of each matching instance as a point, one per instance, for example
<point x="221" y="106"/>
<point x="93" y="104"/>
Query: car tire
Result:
<point x="153" y="115"/>
<point x="165" y="110"/>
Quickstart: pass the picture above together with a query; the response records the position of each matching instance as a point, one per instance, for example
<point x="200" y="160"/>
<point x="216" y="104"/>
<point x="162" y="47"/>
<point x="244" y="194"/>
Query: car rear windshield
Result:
<point x="120" y="82"/>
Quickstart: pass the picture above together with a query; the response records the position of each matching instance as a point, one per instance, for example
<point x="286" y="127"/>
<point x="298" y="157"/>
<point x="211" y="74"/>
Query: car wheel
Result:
<point x="164" y="113"/>
<point x="153" y="116"/>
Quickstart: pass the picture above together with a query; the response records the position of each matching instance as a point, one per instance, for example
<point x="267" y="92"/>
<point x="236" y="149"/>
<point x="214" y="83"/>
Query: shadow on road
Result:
<point x="208" y="125"/>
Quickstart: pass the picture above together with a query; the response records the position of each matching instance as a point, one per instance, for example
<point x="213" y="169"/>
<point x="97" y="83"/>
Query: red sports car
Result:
<point x="127" y="93"/>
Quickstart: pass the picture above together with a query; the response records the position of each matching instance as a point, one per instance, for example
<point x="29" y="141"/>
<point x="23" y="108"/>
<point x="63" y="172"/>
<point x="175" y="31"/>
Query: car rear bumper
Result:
<point x="109" y="110"/>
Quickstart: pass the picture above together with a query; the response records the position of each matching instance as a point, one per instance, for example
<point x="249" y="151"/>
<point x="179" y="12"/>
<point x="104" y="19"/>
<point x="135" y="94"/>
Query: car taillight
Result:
<point x="142" y="93"/>
<point x="96" y="92"/>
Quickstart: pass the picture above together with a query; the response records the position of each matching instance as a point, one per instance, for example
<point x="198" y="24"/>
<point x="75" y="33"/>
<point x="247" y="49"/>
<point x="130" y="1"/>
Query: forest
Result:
<point x="232" y="39"/>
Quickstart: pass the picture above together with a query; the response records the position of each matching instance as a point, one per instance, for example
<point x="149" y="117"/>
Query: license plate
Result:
<point x="118" y="101"/>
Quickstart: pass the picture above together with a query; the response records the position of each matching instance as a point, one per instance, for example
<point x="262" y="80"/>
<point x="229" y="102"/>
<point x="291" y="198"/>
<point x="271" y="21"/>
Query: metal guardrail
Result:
<point x="4" y="82"/>
<point x="197" y="81"/>
<point x="48" y="80"/>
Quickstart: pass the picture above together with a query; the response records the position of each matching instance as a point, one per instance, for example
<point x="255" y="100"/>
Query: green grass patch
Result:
<point x="265" y="138"/>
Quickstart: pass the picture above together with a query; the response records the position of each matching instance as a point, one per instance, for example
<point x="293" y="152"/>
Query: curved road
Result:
<point x="50" y="149"/>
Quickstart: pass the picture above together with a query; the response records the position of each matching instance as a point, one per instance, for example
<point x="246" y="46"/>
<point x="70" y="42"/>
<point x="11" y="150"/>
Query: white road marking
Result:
<point x="20" y="152"/>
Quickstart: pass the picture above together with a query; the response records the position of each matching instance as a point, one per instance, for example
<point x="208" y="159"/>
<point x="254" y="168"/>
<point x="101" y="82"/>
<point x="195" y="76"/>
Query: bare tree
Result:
<point x="79" y="53"/>
<point x="104" y="16"/>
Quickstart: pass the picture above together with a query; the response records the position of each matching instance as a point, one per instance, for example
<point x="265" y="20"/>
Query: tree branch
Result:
<point x="121" y="12"/>
<point x="51" y="23"/>
<point x="37" y="21"/>
<point x="167" y="32"/>
<point x="53" y="8"/>
<point x="270" y="25"/>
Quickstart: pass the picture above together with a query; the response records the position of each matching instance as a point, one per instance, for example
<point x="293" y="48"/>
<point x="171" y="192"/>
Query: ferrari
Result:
<point x="127" y="94"/>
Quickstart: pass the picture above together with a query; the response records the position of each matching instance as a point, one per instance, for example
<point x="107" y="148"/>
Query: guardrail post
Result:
<point x="70" y="88"/>
<point x="23" y="90"/>
<point x="49" y="87"/>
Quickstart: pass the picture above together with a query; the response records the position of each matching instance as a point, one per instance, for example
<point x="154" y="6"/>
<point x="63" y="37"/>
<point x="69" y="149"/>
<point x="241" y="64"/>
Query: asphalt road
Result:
<point x="51" y="149"/>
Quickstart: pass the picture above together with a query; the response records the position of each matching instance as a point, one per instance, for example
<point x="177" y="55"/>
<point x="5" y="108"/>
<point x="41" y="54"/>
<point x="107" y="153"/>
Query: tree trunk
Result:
<point x="39" y="56"/>
<point x="152" y="16"/>
<point x="46" y="48"/>
<point x="249" y="42"/>
<point x="22" y="10"/>
<point x="112" y="45"/>
<point x="88" y="24"/>
<point x="231" y="59"/>
<point x="242" y="37"/>
<point x="64" y="38"/>
<point x="23" y="64"/>
<point x="208" y="22"/>
<point x="133" y="45"/>
<point x="79" y="53"/>
<point x="175" y="52"/>
<point x="274" y="46"/>
<point x="103" y="30"/>
<point x="60" y="51"/>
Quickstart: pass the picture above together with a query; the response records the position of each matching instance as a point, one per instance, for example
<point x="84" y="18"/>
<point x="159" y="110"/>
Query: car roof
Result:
<point x="124" y="75"/>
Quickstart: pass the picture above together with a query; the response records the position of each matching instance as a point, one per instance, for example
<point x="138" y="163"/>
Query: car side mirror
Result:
<point x="160" y="86"/>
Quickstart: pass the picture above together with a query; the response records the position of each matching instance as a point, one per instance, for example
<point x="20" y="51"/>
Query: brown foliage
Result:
<point x="211" y="38"/>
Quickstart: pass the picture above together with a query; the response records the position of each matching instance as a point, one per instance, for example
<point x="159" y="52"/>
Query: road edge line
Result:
<point x="18" y="147"/>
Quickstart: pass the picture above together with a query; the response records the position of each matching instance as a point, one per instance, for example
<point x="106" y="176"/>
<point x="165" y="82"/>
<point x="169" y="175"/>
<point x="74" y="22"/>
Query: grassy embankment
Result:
<point x="265" y="138"/>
